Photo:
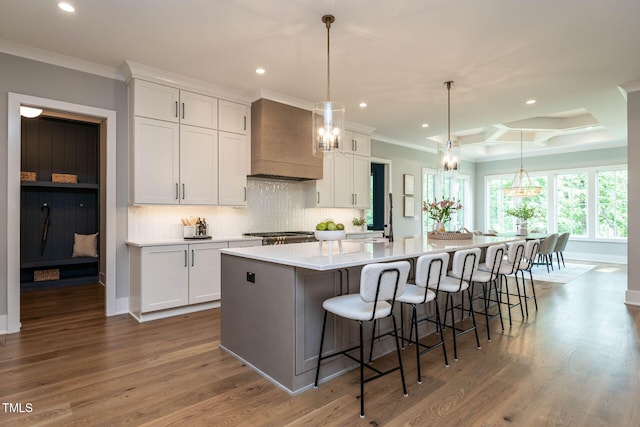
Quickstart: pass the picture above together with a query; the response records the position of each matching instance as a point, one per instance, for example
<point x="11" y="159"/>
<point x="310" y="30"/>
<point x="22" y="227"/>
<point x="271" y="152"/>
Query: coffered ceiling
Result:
<point x="571" y="56"/>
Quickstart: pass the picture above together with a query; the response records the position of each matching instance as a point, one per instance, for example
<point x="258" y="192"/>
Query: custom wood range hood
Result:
<point x="281" y="142"/>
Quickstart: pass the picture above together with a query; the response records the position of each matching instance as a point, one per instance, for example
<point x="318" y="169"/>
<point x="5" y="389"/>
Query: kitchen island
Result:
<point x="272" y="301"/>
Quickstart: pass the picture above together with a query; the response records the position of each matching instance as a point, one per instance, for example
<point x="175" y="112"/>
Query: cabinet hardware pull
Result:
<point x="245" y="122"/>
<point x="176" y="109"/>
<point x="183" y="110"/>
<point x="356" y="142"/>
<point x="355" y="196"/>
<point x="183" y="192"/>
<point x="177" y="191"/>
<point x="193" y="257"/>
<point x="185" y="258"/>
<point x="245" y="194"/>
<point x="318" y="197"/>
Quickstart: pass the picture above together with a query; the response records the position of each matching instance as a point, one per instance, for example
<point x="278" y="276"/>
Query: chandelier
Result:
<point x="522" y="186"/>
<point x="328" y="116"/>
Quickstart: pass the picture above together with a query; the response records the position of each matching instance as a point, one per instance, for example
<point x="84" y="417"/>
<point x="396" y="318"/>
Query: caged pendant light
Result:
<point x="522" y="186"/>
<point x="328" y="116"/>
<point x="450" y="158"/>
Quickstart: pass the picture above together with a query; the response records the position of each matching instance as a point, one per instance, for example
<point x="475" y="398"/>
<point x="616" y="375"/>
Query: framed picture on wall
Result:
<point x="408" y="184"/>
<point x="409" y="206"/>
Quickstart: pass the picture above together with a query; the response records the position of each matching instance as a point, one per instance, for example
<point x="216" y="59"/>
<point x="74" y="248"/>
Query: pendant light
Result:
<point x="328" y="116"/>
<point x="522" y="186"/>
<point x="450" y="157"/>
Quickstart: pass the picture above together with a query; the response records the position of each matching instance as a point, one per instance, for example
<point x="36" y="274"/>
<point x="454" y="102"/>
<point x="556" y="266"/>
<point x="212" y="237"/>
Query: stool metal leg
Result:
<point x="324" y="324"/>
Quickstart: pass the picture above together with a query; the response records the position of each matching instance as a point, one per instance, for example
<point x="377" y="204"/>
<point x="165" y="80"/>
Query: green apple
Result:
<point x="331" y="226"/>
<point x="321" y="226"/>
<point x="340" y="226"/>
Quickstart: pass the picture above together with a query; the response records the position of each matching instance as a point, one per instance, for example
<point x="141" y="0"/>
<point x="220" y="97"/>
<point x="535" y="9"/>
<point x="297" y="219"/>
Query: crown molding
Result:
<point x="40" y="55"/>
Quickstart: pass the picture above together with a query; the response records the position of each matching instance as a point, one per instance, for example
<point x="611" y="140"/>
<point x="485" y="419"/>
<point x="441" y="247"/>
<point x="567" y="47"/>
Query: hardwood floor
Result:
<point x="575" y="362"/>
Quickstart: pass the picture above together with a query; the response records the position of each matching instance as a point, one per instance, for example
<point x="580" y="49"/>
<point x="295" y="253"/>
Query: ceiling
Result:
<point x="571" y="56"/>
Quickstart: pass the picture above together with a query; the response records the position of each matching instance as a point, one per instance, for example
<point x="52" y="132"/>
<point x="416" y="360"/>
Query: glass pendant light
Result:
<point x="449" y="153"/>
<point x="522" y="186"/>
<point x="328" y="116"/>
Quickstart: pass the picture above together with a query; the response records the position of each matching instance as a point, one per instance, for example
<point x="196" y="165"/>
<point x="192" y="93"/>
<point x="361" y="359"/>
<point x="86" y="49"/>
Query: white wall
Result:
<point x="633" y="153"/>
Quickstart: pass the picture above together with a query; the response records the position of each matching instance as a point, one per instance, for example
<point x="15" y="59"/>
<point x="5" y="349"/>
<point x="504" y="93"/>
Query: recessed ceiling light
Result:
<point x="66" y="7"/>
<point x="425" y="125"/>
<point x="363" y="104"/>
<point x="531" y="101"/>
<point x="260" y="71"/>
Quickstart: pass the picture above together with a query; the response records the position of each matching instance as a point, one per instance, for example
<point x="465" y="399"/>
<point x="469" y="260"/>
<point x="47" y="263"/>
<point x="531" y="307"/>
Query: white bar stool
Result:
<point x="380" y="285"/>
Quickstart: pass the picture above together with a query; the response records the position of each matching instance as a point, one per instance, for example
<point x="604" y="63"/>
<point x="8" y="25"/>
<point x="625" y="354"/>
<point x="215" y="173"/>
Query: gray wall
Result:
<point x="409" y="161"/>
<point x="633" y="150"/>
<point x="34" y="78"/>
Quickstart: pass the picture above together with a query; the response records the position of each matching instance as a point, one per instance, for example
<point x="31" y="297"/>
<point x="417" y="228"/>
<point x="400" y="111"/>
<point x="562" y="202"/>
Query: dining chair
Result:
<point x="545" y="252"/>
<point x="380" y="285"/>
<point x="561" y="244"/>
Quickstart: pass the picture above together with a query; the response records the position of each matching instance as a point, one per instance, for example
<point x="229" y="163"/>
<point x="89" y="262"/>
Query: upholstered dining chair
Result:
<point x="561" y="244"/>
<point x="380" y="285"/>
<point x="547" y="247"/>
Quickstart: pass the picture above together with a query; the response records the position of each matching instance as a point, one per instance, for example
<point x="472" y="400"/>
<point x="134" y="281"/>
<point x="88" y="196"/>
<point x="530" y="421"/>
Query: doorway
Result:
<point x="107" y="198"/>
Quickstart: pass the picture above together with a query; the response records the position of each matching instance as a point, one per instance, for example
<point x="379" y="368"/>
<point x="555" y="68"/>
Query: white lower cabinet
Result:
<point x="204" y="272"/>
<point x="176" y="278"/>
<point x="164" y="277"/>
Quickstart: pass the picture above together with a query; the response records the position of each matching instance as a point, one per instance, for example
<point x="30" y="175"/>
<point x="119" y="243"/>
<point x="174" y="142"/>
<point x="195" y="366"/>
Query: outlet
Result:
<point x="251" y="277"/>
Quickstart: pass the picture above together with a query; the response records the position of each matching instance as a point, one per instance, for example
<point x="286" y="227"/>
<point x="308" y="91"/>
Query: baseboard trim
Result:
<point x="122" y="306"/>
<point x="4" y="327"/>
<point x="584" y="256"/>
<point x="145" y="317"/>
<point x="632" y="298"/>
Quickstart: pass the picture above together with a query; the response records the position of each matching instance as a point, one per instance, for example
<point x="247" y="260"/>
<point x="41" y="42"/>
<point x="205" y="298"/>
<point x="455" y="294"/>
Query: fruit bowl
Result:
<point x="330" y="234"/>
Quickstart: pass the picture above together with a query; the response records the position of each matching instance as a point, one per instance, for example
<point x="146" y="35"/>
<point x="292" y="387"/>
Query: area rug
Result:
<point x="563" y="275"/>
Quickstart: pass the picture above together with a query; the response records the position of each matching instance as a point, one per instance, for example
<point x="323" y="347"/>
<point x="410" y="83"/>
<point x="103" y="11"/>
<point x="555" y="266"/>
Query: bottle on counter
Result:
<point x="205" y="227"/>
<point x="199" y="227"/>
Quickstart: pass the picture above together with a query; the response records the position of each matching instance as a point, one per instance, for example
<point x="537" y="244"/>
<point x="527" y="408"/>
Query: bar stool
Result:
<point x="428" y="273"/>
<point x="508" y="268"/>
<point x="488" y="274"/>
<point x="464" y="265"/>
<point x="380" y="285"/>
<point x="528" y="260"/>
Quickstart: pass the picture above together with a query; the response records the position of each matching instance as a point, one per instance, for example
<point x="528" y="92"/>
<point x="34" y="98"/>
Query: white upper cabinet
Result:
<point x="155" y="101"/>
<point x="233" y="117"/>
<point x="233" y="152"/>
<point x="198" y="110"/>
<point x="161" y="102"/>
<point x="156" y="167"/>
<point x="356" y="143"/>
<point x="198" y="166"/>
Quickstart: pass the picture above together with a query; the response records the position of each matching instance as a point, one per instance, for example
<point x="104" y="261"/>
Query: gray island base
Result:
<point x="272" y="302"/>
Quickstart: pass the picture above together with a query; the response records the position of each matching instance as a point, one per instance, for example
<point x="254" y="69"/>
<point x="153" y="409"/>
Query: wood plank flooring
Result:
<point x="575" y="362"/>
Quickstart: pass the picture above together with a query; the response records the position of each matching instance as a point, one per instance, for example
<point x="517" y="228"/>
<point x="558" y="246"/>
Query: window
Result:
<point x="571" y="204"/>
<point x="498" y="202"/>
<point x="612" y="203"/>
<point x="449" y="186"/>
<point x="588" y="203"/>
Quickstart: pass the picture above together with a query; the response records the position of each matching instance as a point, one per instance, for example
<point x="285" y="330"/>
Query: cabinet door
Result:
<point x="342" y="180"/>
<point x="155" y="162"/>
<point x="324" y="186"/>
<point x="361" y="144"/>
<point x="164" y="277"/>
<point x="198" y="110"/>
<point x="361" y="179"/>
<point x="155" y="101"/>
<point x="233" y="168"/>
<point x="198" y="166"/>
<point x="348" y="144"/>
<point x="204" y="272"/>
<point x="233" y="117"/>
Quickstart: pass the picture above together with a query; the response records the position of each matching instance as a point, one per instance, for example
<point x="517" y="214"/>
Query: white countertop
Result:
<point x="214" y="239"/>
<point x="327" y="256"/>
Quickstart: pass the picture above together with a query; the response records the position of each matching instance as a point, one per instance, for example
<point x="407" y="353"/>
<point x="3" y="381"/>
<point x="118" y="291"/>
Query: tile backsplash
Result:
<point x="271" y="206"/>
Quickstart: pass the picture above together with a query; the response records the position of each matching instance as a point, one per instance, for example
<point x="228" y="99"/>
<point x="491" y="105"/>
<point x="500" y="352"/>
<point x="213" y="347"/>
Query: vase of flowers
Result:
<point x="523" y="214"/>
<point x="441" y="211"/>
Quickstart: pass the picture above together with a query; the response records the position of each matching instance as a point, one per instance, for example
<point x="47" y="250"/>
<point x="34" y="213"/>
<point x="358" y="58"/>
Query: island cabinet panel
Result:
<point x="258" y="315"/>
